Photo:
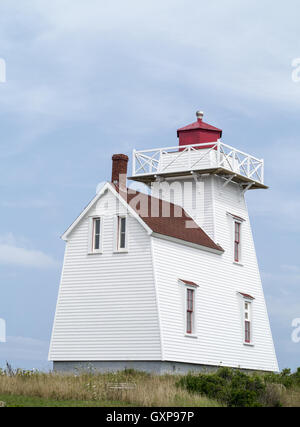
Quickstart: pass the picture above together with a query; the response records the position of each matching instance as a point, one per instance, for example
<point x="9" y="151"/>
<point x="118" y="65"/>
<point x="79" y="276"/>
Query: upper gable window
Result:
<point x="122" y="234"/>
<point x="95" y="241"/>
<point x="96" y="233"/>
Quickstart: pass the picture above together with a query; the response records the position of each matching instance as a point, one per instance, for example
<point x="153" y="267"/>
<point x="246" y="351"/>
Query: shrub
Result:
<point x="234" y="388"/>
<point x="285" y="378"/>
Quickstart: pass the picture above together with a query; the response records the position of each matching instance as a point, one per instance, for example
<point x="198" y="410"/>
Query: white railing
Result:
<point x="191" y="158"/>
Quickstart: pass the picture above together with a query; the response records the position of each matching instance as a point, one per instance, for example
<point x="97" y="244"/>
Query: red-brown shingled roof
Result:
<point x="168" y="219"/>
<point x="246" y="295"/>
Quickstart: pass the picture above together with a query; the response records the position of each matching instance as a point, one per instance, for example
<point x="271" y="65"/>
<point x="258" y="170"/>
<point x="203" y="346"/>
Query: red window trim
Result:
<point x="237" y="240"/>
<point x="190" y="310"/>
<point x="247" y="331"/>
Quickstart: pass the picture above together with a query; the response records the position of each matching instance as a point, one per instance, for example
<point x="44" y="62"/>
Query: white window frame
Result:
<point x="92" y="250"/>
<point x="247" y="316"/>
<point x="118" y="249"/>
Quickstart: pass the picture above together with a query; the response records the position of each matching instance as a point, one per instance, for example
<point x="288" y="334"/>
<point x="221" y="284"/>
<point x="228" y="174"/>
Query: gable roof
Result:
<point x="107" y="186"/>
<point x="157" y="216"/>
<point x="168" y="219"/>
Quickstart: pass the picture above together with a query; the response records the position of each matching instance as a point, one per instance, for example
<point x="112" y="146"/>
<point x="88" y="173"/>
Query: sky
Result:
<point x="85" y="80"/>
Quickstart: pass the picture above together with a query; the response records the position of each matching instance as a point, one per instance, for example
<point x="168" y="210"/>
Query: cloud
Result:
<point x="122" y="72"/>
<point x="158" y="45"/>
<point x="12" y="253"/>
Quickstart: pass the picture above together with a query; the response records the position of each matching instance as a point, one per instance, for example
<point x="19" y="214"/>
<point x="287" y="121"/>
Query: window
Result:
<point x="95" y="235"/>
<point x="189" y="309"/>
<point x="122" y="233"/>
<point x="237" y="241"/>
<point x="190" y="293"/>
<point x="247" y="322"/>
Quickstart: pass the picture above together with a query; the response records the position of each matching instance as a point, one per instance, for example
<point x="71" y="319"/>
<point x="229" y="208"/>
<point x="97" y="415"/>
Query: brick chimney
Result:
<point x="119" y="169"/>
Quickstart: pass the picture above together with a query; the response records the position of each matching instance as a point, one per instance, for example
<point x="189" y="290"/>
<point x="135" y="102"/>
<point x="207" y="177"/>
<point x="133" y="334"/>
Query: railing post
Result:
<point x="234" y="158"/>
<point x="218" y="153"/>
<point x="160" y="161"/>
<point x="189" y="157"/>
<point x="248" y="167"/>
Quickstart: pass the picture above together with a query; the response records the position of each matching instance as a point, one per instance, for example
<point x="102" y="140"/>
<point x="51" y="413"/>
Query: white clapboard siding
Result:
<point x="107" y="307"/>
<point x="182" y="161"/>
<point x="218" y="306"/>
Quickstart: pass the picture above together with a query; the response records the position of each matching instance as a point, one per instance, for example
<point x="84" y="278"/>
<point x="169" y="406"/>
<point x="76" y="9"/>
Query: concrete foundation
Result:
<point x="153" y="367"/>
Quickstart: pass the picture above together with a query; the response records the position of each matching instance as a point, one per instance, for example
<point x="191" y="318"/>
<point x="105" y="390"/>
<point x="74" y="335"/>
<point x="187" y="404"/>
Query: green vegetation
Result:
<point x="12" y="401"/>
<point x="126" y="388"/>
<point x="226" y="387"/>
<point x="238" y="389"/>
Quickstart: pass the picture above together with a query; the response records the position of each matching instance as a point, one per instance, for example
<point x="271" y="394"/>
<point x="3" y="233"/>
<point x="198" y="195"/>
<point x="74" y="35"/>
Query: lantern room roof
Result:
<point x="199" y="124"/>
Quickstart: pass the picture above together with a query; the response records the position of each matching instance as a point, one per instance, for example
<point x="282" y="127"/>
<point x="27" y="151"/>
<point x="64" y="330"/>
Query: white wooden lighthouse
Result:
<point x="166" y="281"/>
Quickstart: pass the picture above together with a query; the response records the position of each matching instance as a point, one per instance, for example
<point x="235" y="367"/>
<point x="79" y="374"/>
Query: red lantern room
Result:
<point x="198" y="133"/>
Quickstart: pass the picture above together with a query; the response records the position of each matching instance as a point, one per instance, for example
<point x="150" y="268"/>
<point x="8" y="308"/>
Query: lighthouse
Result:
<point x="167" y="281"/>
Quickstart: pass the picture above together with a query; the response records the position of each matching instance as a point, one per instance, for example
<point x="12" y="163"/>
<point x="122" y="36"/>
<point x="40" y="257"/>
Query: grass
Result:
<point x="291" y="398"/>
<point x="32" y="389"/>
<point x="40" y="389"/>
<point x="15" y="401"/>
